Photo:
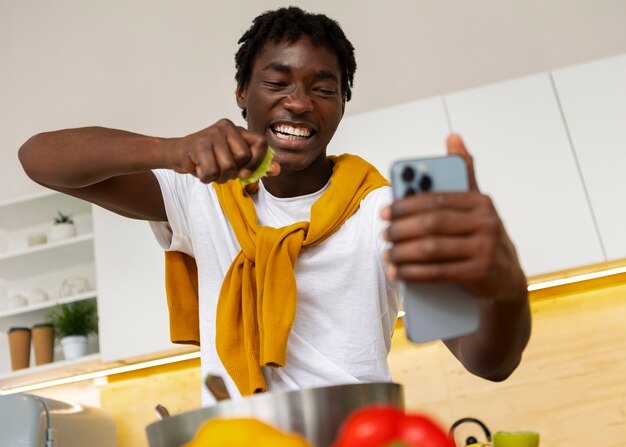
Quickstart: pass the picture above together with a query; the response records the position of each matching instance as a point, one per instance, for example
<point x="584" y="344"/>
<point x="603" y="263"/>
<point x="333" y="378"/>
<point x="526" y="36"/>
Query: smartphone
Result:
<point x="434" y="311"/>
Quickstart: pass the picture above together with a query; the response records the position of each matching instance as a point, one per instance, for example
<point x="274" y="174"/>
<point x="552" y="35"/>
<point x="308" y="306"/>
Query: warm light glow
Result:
<point x="98" y="374"/>
<point x="194" y="355"/>
<point x="576" y="278"/>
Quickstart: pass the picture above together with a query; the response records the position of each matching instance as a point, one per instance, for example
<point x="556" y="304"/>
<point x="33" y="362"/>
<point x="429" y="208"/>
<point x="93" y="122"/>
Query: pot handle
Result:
<point x="474" y="420"/>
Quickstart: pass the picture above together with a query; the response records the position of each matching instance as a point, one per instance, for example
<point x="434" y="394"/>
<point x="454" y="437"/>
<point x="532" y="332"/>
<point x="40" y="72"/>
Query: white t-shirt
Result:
<point x="346" y="308"/>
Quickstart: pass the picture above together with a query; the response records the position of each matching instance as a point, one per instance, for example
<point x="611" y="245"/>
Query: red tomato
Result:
<point x="419" y="431"/>
<point x="370" y="427"/>
<point x="384" y="426"/>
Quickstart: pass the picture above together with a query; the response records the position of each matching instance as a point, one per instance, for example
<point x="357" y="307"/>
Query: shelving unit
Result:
<point x="39" y="207"/>
<point x="58" y="255"/>
<point x="122" y="263"/>
<point x="23" y="316"/>
<point x="44" y="266"/>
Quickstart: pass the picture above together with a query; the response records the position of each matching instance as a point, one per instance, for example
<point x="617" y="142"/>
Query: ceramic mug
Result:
<point x="17" y="300"/>
<point x="38" y="296"/>
<point x="37" y="239"/>
<point x="74" y="286"/>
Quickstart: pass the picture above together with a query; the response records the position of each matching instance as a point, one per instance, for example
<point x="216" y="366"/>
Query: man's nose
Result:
<point x="298" y="101"/>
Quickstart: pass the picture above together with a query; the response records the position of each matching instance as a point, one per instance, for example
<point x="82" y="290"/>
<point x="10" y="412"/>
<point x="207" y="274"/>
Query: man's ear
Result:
<point x="242" y="97"/>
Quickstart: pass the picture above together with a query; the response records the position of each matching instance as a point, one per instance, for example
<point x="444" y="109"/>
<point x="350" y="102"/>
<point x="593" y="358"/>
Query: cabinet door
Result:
<point x="593" y="97"/>
<point x="131" y="288"/>
<point x="524" y="161"/>
<point x="415" y="129"/>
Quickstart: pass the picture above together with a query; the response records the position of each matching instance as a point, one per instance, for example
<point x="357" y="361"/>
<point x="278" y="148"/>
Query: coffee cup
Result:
<point x="43" y="343"/>
<point x="19" y="345"/>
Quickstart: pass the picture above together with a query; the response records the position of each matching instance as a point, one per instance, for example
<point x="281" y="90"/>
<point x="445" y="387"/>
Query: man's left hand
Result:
<point x="453" y="237"/>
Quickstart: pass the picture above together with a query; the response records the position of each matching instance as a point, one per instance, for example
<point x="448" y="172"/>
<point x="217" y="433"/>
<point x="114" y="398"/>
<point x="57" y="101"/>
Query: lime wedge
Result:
<point x="516" y="439"/>
<point x="261" y="170"/>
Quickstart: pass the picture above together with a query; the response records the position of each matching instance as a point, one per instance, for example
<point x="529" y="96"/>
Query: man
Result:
<point x="291" y="289"/>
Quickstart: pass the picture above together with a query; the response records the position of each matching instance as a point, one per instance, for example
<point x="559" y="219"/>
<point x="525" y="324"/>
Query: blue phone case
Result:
<point x="437" y="310"/>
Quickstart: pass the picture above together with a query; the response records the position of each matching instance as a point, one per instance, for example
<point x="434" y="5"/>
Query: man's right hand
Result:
<point x="113" y="168"/>
<point x="221" y="152"/>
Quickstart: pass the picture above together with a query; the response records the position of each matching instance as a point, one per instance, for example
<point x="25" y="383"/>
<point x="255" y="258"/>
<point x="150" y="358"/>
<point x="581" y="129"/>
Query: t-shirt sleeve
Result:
<point x="176" y="190"/>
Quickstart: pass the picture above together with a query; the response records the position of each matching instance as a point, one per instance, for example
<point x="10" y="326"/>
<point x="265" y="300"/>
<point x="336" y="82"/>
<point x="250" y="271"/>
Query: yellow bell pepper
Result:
<point x="244" y="432"/>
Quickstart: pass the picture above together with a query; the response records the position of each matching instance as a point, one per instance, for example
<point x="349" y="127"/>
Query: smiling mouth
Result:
<point x="289" y="132"/>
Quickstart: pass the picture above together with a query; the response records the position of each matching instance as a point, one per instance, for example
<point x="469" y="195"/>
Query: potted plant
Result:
<point x="62" y="228"/>
<point x="72" y="323"/>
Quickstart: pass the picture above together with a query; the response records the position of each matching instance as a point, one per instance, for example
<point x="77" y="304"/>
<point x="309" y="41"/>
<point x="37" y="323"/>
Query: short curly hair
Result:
<point x="290" y="24"/>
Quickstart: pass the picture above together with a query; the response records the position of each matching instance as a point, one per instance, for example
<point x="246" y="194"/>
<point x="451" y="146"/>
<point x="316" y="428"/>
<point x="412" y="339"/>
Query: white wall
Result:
<point x="166" y="67"/>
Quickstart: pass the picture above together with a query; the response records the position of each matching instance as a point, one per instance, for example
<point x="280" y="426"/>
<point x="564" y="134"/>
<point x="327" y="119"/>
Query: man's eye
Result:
<point x="276" y="84"/>
<point x="325" y="91"/>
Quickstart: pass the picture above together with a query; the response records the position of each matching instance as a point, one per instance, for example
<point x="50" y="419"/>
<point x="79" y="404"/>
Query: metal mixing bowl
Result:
<point x="316" y="413"/>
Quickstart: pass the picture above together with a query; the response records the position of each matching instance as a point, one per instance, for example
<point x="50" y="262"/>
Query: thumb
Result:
<point x="457" y="147"/>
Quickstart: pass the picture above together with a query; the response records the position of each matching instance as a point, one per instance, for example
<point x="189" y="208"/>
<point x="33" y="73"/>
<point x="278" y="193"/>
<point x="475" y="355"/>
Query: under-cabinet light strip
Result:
<point x="576" y="278"/>
<point x="103" y="373"/>
<point x="179" y="358"/>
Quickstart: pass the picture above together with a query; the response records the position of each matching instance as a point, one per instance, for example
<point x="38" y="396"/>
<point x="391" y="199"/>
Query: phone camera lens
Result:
<point x="408" y="174"/>
<point x="409" y="192"/>
<point x="425" y="183"/>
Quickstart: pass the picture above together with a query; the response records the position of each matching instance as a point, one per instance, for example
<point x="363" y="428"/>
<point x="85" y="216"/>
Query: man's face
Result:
<point x="294" y="98"/>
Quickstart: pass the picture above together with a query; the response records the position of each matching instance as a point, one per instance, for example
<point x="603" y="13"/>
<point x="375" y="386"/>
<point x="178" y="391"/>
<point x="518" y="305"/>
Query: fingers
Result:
<point x="240" y="151"/>
<point x="223" y="151"/>
<point x="205" y="165"/>
<point x="454" y="237"/>
<point x="456" y="146"/>
<point x="440" y="223"/>
<point x="225" y="157"/>
<point x="418" y="254"/>
<point x="257" y="145"/>
<point x="461" y="272"/>
<point x="442" y="237"/>
<point x="274" y="169"/>
<point x="460" y="260"/>
<point x="424" y="203"/>
<point x="432" y="249"/>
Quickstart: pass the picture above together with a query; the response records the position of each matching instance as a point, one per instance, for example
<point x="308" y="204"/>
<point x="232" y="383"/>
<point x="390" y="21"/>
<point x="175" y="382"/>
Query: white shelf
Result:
<point x="46" y="257"/>
<point x="51" y="371"/>
<point x="29" y="315"/>
<point x="60" y="366"/>
<point x="43" y="267"/>
<point x="38" y="208"/>
<point x="90" y="363"/>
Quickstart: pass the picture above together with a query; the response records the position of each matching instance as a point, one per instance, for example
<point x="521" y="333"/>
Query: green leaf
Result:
<point x="77" y="318"/>
<point x="63" y="218"/>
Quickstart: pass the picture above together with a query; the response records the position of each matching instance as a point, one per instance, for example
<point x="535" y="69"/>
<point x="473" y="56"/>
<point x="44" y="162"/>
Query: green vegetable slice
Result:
<point x="261" y="170"/>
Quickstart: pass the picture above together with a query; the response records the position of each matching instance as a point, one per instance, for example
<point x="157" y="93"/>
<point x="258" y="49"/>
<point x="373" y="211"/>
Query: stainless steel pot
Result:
<point x="316" y="413"/>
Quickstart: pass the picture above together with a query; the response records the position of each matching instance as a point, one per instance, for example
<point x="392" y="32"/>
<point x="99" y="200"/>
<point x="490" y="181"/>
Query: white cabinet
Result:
<point x="415" y="129"/>
<point x="593" y="97"/>
<point x="523" y="159"/>
<point x="522" y="155"/>
<point x="131" y="295"/>
<point x="33" y="270"/>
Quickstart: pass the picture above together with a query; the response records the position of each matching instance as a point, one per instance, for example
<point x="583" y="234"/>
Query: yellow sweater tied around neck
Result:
<point x="257" y="303"/>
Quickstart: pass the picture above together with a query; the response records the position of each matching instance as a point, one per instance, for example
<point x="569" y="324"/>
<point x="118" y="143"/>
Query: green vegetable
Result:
<point x="261" y="170"/>
<point x="516" y="439"/>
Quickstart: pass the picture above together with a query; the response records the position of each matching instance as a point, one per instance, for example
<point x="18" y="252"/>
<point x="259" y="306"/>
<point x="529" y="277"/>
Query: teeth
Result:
<point x="292" y="133"/>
